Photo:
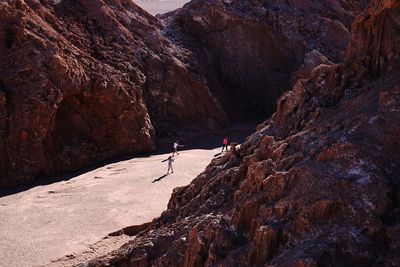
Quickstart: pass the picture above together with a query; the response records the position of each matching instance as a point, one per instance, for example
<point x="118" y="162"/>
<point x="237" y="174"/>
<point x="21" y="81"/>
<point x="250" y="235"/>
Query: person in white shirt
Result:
<point x="176" y="145"/>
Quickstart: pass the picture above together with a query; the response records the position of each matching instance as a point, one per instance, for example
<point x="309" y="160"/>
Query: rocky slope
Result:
<point x="83" y="81"/>
<point x="316" y="185"/>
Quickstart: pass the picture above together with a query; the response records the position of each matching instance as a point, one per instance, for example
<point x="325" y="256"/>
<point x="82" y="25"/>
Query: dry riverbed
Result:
<point x="48" y="222"/>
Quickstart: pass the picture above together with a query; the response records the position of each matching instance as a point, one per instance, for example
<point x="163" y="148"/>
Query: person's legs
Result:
<point x="224" y="146"/>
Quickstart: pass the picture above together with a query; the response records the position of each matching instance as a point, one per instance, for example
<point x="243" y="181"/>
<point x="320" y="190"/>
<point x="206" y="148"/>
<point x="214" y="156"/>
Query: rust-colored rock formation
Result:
<point x="83" y="81"/>
<point x="316" y="185"/>
<point x="250" y="49"/>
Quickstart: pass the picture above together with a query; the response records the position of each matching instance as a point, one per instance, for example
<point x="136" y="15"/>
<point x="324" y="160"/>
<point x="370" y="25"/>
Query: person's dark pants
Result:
<point x="224" y="146"/>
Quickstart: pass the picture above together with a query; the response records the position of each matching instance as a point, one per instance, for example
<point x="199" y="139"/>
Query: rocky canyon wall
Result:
<point x="84" y="81"/>
<point x="316" y="185"/>
<point x="374" y="48"/>
<point x="250" y="50"/>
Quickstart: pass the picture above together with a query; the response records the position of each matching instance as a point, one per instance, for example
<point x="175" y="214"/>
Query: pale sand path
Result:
<point x="47" y="222"/>
<point x="155" y="7"/>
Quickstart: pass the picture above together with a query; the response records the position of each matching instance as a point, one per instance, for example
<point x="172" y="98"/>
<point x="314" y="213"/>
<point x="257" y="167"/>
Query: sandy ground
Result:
<point x="160" y="6"/>
<point x="48" y="222"/>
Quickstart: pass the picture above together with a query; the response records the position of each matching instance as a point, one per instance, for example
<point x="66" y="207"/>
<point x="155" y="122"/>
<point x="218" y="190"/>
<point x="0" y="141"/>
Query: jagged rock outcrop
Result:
<point x="83" y="81"/>
<point x="250" y="49"/>
<point x="316" y="185"/>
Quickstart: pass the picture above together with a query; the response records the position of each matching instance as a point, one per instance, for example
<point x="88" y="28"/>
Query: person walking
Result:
<point x="170" y="160"/>
<point x="176" y="145"/>
<point x="225" y="144"/>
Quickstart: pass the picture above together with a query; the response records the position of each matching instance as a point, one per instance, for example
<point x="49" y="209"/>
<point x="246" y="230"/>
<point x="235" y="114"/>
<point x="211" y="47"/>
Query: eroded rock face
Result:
<point x="83" y="81"/>
<point x="375" y="49"/>
<point x="250" y="49"/>
<point x="316" y="185"/>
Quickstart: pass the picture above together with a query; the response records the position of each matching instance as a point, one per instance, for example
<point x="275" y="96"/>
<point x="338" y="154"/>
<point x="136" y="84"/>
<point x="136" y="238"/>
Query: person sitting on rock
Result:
<point x="176" y="145"/>
<point x="170" y="160"/>
<point x="225" y="144"/>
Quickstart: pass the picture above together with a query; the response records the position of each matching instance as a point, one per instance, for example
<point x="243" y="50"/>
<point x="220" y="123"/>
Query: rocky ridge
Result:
<point x="316" y="185"/>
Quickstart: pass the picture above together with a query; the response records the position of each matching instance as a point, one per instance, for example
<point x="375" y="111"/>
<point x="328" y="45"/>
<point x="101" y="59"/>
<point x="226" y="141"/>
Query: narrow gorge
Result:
<point x="317" y="183"/>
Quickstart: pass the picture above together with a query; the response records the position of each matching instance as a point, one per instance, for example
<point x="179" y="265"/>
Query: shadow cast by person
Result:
<point x="160" y="178"/>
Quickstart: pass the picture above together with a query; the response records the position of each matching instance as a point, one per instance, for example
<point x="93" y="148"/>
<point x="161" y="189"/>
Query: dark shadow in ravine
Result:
<point x="160" y="178"/>
<point x="193" y="140"/>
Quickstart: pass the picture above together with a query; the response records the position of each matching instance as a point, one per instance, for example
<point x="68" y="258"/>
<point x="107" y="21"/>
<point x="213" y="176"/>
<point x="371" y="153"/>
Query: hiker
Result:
<point x="170" y="160"/>
<point x="176" y="145"/>
<point x="225" y="144"/>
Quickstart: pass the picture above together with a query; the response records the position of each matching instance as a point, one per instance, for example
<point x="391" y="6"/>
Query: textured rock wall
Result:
<point x="249" y="50"/>
<point x="83" y="81"/>
<point x="316" y="185"/>
<point x="375" y="49"/>
<point x="90" y="80"/>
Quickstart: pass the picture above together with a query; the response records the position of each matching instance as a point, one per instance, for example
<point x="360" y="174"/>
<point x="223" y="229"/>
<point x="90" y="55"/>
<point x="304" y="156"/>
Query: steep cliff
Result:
<point x="83" y="81"/>
<point x="250" y="50"/>
<point x="316" y="185"/>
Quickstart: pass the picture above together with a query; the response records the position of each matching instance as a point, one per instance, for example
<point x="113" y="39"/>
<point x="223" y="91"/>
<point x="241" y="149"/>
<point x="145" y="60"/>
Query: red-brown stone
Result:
<point x="84" y="81"/>
<point x="316" y="185"/>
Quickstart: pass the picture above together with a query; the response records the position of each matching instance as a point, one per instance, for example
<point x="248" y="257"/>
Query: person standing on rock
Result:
<point x="225" y="144"/>
<point x="176" y="145"/>
<point x="170" y="160"/>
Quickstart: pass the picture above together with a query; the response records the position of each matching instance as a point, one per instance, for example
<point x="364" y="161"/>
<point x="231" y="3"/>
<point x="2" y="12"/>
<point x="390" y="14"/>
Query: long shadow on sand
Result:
<point x="160" y="178"/>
